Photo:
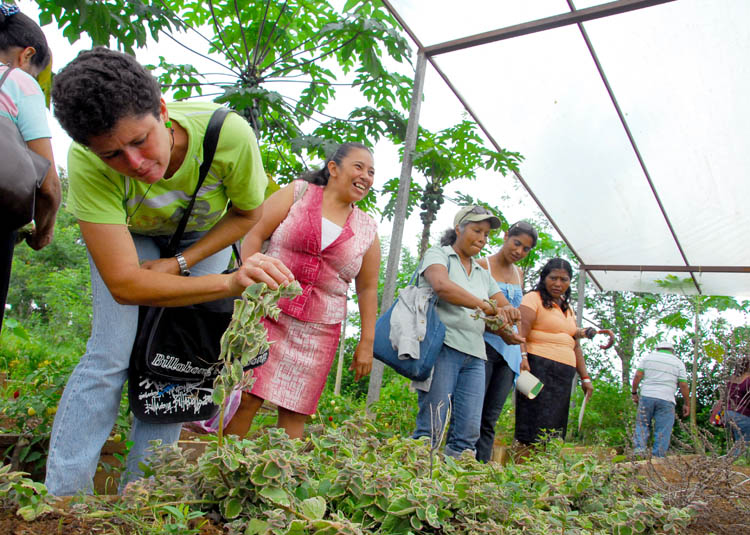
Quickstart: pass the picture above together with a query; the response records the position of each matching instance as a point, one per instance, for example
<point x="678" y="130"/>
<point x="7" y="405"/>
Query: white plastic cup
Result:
<point x="528" y="385"/>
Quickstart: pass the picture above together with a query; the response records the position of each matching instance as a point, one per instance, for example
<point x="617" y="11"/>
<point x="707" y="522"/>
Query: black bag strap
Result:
<point x="5" y="75"/>
<point x="210" y="140"/>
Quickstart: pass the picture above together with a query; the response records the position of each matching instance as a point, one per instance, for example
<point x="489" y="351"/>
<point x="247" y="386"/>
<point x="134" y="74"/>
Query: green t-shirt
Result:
<point x="99" y="194"/>
<point x="462" y="332"/>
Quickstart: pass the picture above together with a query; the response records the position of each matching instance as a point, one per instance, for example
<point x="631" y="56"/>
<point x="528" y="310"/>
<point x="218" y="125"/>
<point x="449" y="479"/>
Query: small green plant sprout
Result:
<point x="31" y="496"/>
<point x="246" y="338"/>
<point x="180" y="520"/>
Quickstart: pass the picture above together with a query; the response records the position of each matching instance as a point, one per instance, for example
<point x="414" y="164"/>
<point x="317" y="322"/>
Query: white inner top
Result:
<point x="329" y="232"/>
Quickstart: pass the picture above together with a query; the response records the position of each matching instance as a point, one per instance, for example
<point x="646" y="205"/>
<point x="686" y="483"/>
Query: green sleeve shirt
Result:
<point x="98" y="194"/>
<point x="462" y="332"/>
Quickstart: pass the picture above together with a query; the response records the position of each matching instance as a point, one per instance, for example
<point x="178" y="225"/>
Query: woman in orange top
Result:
<point x="551" y="353"/>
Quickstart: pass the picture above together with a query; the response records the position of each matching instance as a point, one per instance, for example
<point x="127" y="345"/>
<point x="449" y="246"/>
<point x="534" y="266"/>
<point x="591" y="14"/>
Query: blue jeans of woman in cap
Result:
<point x="91" y="399"/>
<point x="458" y="382"/>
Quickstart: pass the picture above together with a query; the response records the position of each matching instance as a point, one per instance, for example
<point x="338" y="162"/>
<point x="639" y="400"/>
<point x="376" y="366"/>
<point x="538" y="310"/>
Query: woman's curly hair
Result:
<point x="547" y="299"/>
<point x="100" y="87"/>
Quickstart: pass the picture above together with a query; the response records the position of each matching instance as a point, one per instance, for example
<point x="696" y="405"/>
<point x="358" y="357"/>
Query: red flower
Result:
<point x="330" y="418"/>
<point x="16" y="394"/>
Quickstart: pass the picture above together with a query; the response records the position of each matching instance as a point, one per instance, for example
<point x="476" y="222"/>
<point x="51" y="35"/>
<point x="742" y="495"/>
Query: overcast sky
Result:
<point x="387" y="164"/>
<point x="540" y="95"/>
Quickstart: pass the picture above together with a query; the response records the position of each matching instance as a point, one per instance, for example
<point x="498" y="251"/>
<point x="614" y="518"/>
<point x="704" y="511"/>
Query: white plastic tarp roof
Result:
<point x="681" y="75"/>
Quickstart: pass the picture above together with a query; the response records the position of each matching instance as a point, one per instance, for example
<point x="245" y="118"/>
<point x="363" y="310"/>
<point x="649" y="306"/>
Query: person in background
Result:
<point x="503" y="359"/>
<point x="24" y="54"/>
<point x="133" y="169"/>
<point x="738" y="402"/>
<point x="552" y="353"/>
<point x="462" y="286"/>
<point x="659" y="375"/>
<point x="315" y="228"/>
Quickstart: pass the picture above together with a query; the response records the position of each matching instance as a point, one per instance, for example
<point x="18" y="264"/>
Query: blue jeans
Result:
<point x="661" y="412"/>
<point x="740" y="426"/>
<point x="458" y="381"/>
<point x="91" y="399"/>
<point x="497" y="384"/>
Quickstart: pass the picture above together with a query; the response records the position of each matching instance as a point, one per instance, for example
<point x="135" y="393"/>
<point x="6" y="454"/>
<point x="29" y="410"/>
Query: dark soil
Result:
<point x="51" y="524"/>
<point x="718" y="491"/>
<point x="65" y="524"/>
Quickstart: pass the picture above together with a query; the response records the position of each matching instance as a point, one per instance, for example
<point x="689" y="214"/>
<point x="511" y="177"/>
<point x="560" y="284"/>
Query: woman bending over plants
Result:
<point x="133" y="169"/>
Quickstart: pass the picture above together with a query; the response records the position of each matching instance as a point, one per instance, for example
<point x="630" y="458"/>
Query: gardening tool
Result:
<point x="611" y="335"/>
<point x="580" y="413"/>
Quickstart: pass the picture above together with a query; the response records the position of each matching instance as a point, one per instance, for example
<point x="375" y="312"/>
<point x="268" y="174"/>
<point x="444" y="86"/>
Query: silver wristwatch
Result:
<point x="184" y="271"/>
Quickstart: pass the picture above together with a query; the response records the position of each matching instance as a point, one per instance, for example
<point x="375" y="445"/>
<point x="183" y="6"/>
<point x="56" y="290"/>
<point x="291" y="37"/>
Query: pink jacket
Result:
<point x="324" y="275"/>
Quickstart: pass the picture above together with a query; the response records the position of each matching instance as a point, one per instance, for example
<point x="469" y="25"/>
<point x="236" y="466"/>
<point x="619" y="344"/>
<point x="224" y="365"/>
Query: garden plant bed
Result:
<point x="717" y="488"/>
<point x="346" y="480"/>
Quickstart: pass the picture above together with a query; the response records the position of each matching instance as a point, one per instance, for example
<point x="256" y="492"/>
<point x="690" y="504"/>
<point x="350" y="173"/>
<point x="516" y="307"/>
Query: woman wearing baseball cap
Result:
<point x="462" y="286"/>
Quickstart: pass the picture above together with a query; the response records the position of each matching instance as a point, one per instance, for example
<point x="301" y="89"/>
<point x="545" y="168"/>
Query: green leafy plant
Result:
<point x="349" y="480"/>
<point x="29" y="496"/>
<point x="246" y="338"/>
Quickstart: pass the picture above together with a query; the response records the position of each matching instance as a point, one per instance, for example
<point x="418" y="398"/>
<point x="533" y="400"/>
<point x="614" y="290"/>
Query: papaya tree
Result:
<point x="444" y="157"/>
<point x="280" y="63"/>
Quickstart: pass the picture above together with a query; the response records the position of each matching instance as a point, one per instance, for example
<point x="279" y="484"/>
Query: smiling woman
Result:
<point x="315" y="228"/>
<point x="133" y="170"/>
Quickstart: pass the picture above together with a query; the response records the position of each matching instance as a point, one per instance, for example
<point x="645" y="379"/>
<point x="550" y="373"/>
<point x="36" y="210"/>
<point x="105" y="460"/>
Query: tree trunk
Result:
<point x="425" y="241"/>
<point x="625" y="362"/>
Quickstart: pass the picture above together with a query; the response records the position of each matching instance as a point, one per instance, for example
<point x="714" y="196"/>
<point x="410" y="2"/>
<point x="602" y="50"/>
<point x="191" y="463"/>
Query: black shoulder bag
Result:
<point x="176" y="351"/>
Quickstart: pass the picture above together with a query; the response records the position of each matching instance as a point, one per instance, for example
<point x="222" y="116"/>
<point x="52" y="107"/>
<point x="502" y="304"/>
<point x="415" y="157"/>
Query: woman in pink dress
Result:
<point x="316" y="230"/>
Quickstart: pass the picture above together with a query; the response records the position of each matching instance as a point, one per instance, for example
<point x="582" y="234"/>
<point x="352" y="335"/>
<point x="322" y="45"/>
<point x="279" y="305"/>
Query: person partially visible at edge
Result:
<point x="503" y="356"/>
<point x="738" y="402"/>
<point x="133" y="169"/>
<point x="659" y="375"/>
<point x="316" y="229"/>
<point x="462" y="286"/>
<point x="24" y="50"/>
<point x="552" y="353"/>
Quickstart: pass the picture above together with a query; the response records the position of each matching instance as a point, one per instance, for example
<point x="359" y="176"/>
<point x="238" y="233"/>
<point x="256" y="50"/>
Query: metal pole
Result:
<point x="342" y="343"/>
<point x="399" y="216"/>
<point x="581" y="296"/>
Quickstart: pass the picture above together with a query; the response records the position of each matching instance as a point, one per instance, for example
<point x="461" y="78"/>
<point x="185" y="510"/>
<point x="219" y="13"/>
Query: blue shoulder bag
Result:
<point x="415" y="369"/>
